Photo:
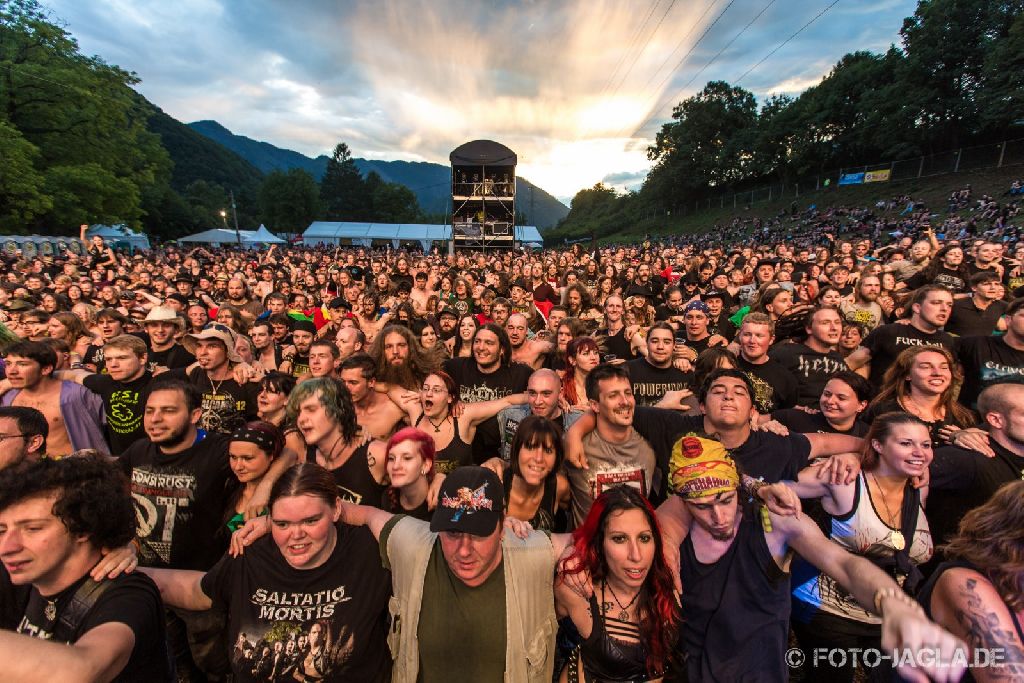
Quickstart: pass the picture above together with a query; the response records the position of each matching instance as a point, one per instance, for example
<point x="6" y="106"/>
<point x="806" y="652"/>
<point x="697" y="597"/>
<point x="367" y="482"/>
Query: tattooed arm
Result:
<point x="967" y="604"/>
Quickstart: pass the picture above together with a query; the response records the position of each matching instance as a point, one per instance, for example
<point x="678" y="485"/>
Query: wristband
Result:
<point x="897" y="592"/>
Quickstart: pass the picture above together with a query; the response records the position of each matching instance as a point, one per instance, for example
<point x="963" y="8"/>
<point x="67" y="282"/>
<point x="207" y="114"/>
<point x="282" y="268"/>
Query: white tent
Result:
<point x="363" y="234"/>
<point x="249" y="238"/>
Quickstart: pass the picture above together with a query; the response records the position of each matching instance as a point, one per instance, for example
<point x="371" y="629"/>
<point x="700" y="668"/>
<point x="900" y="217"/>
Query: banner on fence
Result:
<point x="851" y="179"/>
<point x="877" y="176"/>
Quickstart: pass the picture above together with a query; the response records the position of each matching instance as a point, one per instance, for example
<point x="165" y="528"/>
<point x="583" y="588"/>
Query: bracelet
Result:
<point x="897" y="592"/>
<point x="752" y="486"/>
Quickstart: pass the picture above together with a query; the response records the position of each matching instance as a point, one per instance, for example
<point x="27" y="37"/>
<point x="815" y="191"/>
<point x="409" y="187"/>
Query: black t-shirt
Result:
<point x="12" y="600"/>
<point x="967" y="320"/>
<point x="763" y="454"/>
<point x="132" y="600"/>
<point x="811" y="369"/>
<point x="650" y="383"/>
<point x="476" y="386"/>
<point x="887" y="342"/>
<point x="180" y="502"/>
<point x="988" y="361"/>
<point x="123" y="403"/>
<point x="802" y="422"/>
<point x="300" y="364"/>
<point x="950" y="279"/>
<point x="172" y="358"/>
<point x="961" y="480"/>
<point x="615" y="344"/>
<point x="273" y="607"/>
<point x="227" y="405"/>
<point x="723" y="327"/>
<point x="775" y="387"/>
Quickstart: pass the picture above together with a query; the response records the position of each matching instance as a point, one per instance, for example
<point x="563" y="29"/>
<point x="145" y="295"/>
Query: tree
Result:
<point x="289" y="201"/>
<point x="82" y="116"/>
<point x="390" y="202"/>
<point x="343" y="192"/>
<point x="22" y="197"/>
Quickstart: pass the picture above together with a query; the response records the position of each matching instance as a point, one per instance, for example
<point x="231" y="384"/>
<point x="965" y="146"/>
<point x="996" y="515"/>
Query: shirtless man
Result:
<point x="531" y="352"/>
<point x="74" y="414"/>
<point x="350" y="340"/>
<point x="375" y="412"/>
<point x="369" y="320"/>
<point x="420" y="294"/>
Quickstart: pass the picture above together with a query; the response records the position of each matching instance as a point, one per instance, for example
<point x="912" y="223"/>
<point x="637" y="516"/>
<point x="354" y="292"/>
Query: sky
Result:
<point x="577" y="88"/>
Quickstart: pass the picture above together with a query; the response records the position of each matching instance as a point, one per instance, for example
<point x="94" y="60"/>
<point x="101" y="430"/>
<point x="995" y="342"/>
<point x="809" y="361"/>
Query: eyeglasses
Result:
<point x="3" y="437"/>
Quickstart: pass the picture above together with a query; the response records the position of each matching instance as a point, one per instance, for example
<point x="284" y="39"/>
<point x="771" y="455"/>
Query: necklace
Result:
<point x="50" y="611"/>
<point x="895" y="535"/>
<point x="437" y="427"/>
<point x="624" y="614"/>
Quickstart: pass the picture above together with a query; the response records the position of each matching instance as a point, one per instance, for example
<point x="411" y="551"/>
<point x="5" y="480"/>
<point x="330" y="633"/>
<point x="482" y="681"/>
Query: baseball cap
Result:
<point x="470" y="502"/>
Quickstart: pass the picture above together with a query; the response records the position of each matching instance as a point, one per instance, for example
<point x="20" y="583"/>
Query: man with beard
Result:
<point x="448" y="321"/>
<point x="654" y="374"/>
<point x="226" y="404"/>
<point x="369" y="316"/>
<point x="74" y="414"/>
<point x="180" y="479"/>
<point x="162" y="324"/>
<point x="239" y="297"/>
<point x="864" y="308"/>
<point x="542" y="394"/>
<point x="734" y="570"/>
<point x="400" y="359"/>
<point x="775" y="386"/>
<point x="986" y="259"/>
<point x="501" y="309"/>
<point x="377" y="414"/>
<point x="532" y="352"/>
<point x="814" y="362"/>
<point x="490" y="374"/>
<point x="297" y="363"/>
<point x="930" y="308"/>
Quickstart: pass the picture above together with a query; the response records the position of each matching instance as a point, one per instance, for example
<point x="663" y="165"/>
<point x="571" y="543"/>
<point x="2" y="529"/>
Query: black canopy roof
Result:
<point x="483" y="153"/>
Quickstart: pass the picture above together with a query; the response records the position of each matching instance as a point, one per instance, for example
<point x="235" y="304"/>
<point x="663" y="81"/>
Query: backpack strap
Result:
<point x="81" y="603"/>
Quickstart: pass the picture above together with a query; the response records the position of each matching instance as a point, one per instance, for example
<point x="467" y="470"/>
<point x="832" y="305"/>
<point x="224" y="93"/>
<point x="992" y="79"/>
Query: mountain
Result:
<point x="429" y="182"/>
<point x="197" y="158"/>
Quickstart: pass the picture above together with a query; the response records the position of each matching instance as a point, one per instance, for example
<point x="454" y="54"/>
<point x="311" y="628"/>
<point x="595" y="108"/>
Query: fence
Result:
<point x="998" y="155"/>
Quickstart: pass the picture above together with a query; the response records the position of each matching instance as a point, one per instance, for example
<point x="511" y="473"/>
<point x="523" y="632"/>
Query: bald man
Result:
<point x="542" y="392"/>
<point x="528" y="351"/>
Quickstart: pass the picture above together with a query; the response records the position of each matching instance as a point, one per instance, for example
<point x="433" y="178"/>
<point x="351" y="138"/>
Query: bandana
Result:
<point x="261" y="439"/>
<point x="698" y="305"/>
<point x="700" y="467"/>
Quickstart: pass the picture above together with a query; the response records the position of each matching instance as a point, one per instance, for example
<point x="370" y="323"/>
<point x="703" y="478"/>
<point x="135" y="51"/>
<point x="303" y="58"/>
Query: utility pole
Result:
<point x="234" y="213"/>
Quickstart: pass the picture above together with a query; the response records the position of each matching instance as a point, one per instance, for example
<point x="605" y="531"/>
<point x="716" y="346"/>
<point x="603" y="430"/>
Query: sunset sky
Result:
<point x="576" y="88"/>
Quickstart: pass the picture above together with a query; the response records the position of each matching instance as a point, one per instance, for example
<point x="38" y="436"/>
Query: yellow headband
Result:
<point x="701" y="467"/>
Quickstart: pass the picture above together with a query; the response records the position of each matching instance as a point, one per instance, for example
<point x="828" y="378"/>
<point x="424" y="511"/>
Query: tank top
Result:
<point x="455" y="454"/>
<point x="606" y="655"/>
<point x="859" y="532"/>
<point x="925" y="599"/>
<point x="544" y="518"/>
<point x="735" y="611"/>
<point x="354" y="479"/>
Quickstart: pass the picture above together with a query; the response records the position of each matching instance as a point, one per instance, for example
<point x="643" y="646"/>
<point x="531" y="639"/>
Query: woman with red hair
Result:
<point x="410" y="467"/>
<point x="629" y="623"/>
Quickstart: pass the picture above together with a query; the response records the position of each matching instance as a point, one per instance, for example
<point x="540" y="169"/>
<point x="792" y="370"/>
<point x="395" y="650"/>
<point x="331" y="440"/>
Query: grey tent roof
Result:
<point x="482" y="153"/>
<point x="327" y="230"/>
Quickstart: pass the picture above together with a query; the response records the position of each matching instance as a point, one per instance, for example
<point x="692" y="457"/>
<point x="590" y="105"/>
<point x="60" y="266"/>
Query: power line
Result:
<point x="679" y="65"/>
<point x="644" y="48"/>
<point x="632" y="42"/>
<point x="819" y="15"/>
<point x="681" y="42"/>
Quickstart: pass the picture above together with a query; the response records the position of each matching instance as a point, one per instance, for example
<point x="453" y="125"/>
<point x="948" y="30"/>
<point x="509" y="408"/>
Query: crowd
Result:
<point x="741" y="456"/>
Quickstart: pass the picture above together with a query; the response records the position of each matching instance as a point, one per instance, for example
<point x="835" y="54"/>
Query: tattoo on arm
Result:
<point x="982" y="630"/>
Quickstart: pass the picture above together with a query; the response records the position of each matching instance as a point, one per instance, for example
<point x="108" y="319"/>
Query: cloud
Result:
<point x="578" y="88"/>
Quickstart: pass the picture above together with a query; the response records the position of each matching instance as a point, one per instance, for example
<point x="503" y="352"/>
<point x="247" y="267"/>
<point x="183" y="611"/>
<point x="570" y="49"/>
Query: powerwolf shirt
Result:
<point x="650" y="383"/>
